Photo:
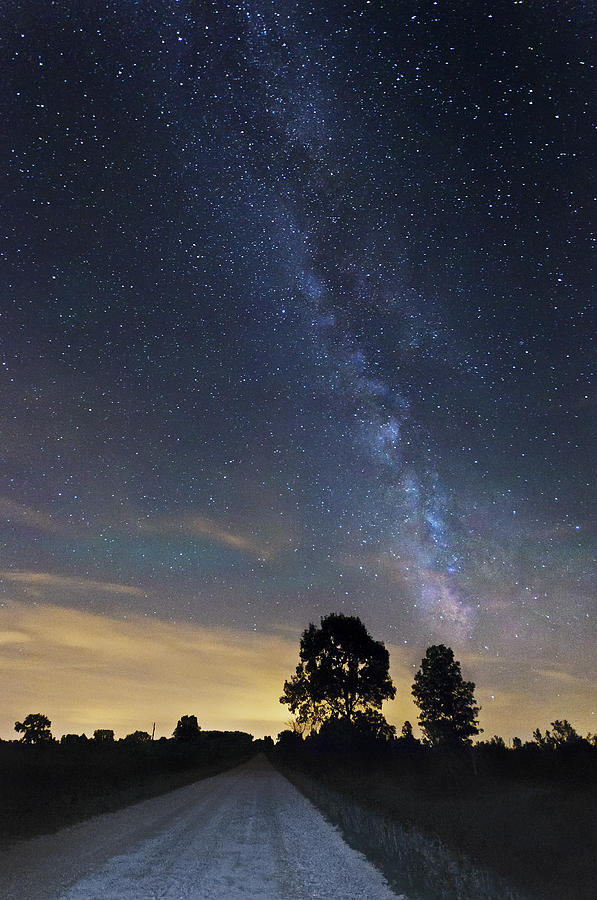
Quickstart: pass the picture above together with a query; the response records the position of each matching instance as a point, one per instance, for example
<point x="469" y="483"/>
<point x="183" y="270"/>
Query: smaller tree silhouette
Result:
<point x="563" y="734"/>
<point x="73" y="740"/>
<point x="289" y="741"/>
<point x="137" y="737"/>
<point x="187" y="729"/>
<point x="407" y="740"/>
<point x="371" y="723"/>
<point x="103" y="736"/>
<point x="447" y="702"/>
<point x="35" y="728"/>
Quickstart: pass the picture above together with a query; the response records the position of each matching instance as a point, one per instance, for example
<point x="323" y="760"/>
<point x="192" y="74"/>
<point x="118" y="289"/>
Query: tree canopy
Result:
<point x="343" y="673"/>
<point x="137" y="737"/>
<point x="35" y="729"/>
<point x="447" y="703"/>
<point x="563" y="734"/>
<point x="187" y="729"/>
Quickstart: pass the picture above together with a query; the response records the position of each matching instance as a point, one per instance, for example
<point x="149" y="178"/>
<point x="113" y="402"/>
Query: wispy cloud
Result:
<point x="186" y="525"/>
<point x="566" y="678"/>
<point x="202" y="526"/>
<point x="68" y="583"/>
<point x="17" y="513"/>
<point x="14" y="637"/>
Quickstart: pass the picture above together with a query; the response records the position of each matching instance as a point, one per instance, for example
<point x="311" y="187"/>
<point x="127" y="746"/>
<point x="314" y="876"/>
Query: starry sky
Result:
<point x="295" y="318"/>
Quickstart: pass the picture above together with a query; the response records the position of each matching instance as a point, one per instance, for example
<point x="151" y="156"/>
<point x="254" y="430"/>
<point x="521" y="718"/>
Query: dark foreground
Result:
<point x="528" y="818"/>
<point x="46" y="787"/>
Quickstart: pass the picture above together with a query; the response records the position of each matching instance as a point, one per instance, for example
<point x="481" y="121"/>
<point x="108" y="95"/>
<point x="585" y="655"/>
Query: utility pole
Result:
<point x="153" y="732"/>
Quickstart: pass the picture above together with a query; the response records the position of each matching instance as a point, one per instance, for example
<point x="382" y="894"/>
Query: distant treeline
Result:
<point x="560" y="741"/>
<point x="36" y="729"/>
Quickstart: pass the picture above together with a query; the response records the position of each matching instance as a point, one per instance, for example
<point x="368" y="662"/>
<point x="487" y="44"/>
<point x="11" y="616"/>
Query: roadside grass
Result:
<point x="440" y="832"/>
<point x="46" y="788"/>
<point x="416" y="863"/>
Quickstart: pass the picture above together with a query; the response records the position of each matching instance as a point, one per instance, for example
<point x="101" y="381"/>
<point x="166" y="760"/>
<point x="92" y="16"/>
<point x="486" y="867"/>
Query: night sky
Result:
<point x="295" y="318"/>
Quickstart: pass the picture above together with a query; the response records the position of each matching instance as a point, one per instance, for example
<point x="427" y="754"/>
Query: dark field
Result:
<point x="48" y="786"/>
<point x="487" y="823"/>
<point x="526" y="817"/>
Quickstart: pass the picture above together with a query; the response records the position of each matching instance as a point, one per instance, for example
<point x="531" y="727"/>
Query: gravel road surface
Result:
<point x="246" y="834"/>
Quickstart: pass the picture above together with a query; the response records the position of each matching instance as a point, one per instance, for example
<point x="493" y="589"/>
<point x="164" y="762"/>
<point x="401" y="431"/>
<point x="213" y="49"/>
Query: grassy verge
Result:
<point x="440" y="832"/>
<point x="416" y="863"/>
<point x="44" y="789"/>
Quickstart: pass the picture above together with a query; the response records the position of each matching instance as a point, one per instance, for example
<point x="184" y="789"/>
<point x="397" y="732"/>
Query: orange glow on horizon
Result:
<point x="88" y="671"/>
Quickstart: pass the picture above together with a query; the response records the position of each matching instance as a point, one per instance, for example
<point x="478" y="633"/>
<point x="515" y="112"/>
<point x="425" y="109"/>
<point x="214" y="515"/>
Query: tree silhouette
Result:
<point x="448" y="712"/>
<point x="373" y="723"/>
<point x="187" y="729"/>
<point x="73" y="740"/>
<point x="288" y="740"/>
<point x="137" y="737"/>
<point x="343" y="674"/>
<point x="407" y="740"/>
<point x="35" y="728"/>
<point x="407" y="731"/>
<point x="103" y="736"/>
<point x="563" y="734"/>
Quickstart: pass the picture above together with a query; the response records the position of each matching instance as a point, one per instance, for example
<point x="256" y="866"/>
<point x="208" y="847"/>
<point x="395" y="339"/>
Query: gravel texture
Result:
<point x="242" y="835"/>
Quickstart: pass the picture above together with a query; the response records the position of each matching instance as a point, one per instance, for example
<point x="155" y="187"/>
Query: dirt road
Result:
<point x="246" y="834"/>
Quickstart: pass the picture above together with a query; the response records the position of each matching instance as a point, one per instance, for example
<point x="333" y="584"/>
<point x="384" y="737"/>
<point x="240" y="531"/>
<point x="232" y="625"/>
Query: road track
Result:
<point x="246" y="834"/>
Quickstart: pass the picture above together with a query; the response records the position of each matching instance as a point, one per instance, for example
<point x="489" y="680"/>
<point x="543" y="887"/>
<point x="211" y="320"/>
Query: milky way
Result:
<point x="295" y="317"/>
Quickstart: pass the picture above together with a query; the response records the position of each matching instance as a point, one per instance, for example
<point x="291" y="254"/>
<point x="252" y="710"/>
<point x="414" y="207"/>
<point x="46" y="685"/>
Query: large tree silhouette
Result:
<point x="343" y="673"/>
<point x="35" y="728"/>
<point x="447" y="703"/>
